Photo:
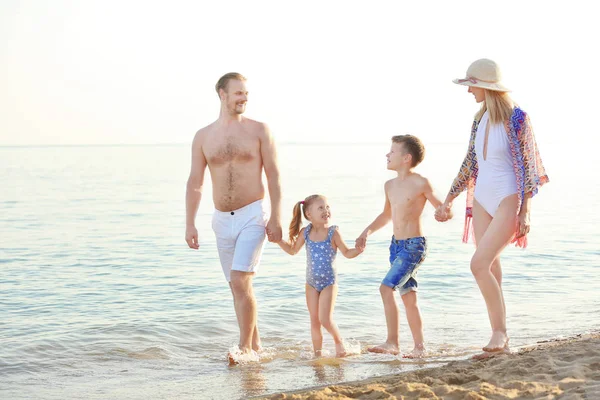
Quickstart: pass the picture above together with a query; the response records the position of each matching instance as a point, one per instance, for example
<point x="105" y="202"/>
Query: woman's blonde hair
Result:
<point x="499" y="106"/>
<point x="298" y="211"/>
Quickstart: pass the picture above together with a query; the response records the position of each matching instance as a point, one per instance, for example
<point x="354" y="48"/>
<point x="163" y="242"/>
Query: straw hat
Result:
<point x="484" y="74"/>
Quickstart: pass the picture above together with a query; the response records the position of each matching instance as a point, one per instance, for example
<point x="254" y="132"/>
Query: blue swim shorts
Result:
<point x="405" y="258"/>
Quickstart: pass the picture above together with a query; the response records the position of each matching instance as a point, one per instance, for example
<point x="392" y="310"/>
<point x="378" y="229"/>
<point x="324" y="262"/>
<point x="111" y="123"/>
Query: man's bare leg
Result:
<point x="495" y="238"/>
<point x="256" y="342"/>
<point x="245" y="308"/>
<point x="413" y="315"/>
<point x="390" y="306"/>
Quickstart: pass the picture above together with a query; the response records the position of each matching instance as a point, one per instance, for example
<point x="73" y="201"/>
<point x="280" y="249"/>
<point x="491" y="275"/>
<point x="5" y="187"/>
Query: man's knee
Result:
<point x="241" y="282"/>
<point x="241" y="277"/>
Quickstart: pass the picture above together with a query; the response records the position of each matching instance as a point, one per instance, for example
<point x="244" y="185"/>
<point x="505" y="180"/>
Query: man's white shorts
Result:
<point x="240" y="237"/>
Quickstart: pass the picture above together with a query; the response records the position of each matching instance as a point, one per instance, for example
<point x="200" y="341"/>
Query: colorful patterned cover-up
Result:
<point x="527" y="164"/>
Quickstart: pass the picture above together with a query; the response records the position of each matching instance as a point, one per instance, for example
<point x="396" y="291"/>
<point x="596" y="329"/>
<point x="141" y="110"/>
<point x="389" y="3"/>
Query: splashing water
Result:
<point x="236" y="356"/>
<point x="352" y="347"/>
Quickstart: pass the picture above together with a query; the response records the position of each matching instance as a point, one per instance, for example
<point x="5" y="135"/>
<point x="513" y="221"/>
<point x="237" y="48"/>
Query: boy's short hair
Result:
<point x="413" y="146"/>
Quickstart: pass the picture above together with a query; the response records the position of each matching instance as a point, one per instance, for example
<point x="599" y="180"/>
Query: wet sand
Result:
<point x="560" y="368"/>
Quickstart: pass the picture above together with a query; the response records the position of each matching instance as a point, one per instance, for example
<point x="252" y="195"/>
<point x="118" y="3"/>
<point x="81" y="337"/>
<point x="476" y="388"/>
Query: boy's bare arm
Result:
<point x="442" y="213"/>
<point x="340" y="244"/>
<point x="292" y="248"/>
<point x="378" y="223"/>
<point x="430" y="195"/>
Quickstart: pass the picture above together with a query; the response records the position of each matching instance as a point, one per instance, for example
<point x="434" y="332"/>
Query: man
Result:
<point x="236" y="149"/>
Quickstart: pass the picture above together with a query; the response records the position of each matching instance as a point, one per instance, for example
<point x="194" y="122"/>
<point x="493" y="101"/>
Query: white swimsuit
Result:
<point x="496" y="177"/>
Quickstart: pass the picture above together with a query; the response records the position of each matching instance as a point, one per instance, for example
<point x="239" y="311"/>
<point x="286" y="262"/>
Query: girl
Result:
<point x="501" y="172"/>
<point x="322" y="242"/>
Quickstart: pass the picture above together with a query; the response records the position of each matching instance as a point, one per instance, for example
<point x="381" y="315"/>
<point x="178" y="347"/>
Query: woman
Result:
<point x="501" y="172"/>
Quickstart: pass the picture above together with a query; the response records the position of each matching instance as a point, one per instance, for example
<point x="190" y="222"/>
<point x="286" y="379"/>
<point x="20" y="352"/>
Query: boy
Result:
<point x="405" y="198"/>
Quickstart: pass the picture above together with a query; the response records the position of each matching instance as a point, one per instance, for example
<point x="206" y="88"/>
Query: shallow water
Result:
<point x="101" y="298"/>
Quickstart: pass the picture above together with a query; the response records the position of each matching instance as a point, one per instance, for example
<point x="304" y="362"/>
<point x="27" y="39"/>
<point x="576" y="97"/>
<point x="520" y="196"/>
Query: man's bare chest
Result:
<point x="231" y="149"/>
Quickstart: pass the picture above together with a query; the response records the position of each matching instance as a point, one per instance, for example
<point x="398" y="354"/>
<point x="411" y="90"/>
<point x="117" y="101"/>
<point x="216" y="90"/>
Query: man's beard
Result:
<point x="237" y="111"/>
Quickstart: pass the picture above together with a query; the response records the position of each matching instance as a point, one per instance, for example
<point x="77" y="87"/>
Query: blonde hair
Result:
<point x="499" y="106"/>
<point x="297" y="213"/>
<point x="224" y="80"/>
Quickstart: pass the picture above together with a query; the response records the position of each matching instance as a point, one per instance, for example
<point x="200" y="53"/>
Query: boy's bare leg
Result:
<point x="326" y="303"/>
<point x="245" y="308"/>
<point x="312" y="302"/>
<point x="390" y="306"/>
<point x="413" y="315"/>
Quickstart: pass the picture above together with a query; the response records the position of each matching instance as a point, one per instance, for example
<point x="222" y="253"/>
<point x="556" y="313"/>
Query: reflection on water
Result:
<point x="251" y="379"/>
<point x="328" y="371"/>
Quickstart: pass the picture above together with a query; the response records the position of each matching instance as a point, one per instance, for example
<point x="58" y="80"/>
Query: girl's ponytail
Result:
<point x="296" y="223"/>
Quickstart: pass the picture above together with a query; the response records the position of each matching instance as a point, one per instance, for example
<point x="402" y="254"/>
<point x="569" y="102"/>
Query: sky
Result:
<point x="133" y="72"/>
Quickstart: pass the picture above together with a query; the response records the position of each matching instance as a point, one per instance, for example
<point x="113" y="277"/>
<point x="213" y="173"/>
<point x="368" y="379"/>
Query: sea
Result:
<point x="100" y="297"/>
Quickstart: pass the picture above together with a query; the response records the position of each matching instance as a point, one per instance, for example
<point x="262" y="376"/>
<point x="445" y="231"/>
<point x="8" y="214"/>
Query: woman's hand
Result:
<point x="444" y="212"/>
<point x="523" y="224"/>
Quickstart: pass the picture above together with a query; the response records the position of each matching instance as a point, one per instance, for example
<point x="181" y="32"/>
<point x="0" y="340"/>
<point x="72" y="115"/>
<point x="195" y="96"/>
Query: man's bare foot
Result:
<point x="498" y="342"/>
<point x="340" y="350"/>
<point x="418" y="352"/>
<point x="386" y="348"/>
<point x="257" y="348"/>
<point x="235" y="356"/>
<point x="319" y="353"/>
<point x="231" y="359"/>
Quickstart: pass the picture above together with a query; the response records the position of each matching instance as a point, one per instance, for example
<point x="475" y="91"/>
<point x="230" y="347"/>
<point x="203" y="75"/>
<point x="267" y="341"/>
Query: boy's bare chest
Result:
<point x="404" y="195"/>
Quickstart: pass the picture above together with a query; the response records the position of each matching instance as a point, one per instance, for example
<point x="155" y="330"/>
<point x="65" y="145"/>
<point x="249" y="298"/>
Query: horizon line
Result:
<point x="173" y="144"/>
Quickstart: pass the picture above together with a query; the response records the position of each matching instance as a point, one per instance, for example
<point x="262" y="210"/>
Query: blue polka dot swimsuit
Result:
<point x="320" y="258"/>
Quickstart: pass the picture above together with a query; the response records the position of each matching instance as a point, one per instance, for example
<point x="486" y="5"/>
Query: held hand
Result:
<point x="444" y="212"/>
<point x="448" y="208"/>
<point x="440" y="214"/>
<point x="191" y="237"/>
<point x="360" y="243"/>
<point x="273" y="230"/>
<point x="523" y="225"/>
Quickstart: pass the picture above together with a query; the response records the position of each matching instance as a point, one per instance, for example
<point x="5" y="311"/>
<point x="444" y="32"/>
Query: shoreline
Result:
<point x="554" y="368"/>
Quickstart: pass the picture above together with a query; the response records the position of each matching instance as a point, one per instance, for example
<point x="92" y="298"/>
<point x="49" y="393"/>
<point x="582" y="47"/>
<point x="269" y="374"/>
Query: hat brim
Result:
<point x="496" y="87"/>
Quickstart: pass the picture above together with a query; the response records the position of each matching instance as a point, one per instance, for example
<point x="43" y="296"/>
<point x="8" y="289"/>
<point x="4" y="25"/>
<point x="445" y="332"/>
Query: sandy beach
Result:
<point x="565" y="369"/>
